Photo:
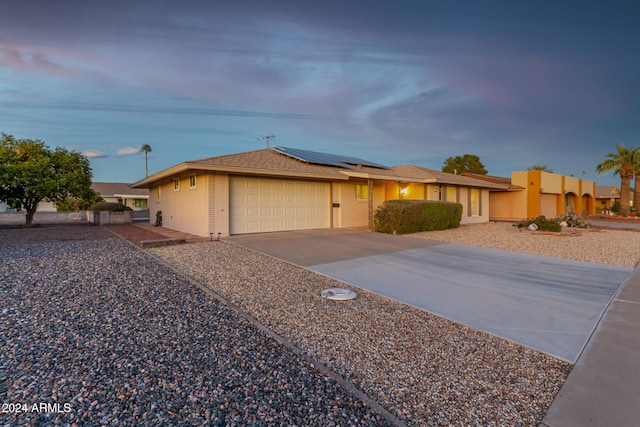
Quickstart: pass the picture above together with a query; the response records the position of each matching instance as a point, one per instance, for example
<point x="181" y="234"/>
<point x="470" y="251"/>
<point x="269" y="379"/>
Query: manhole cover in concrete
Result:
<point x="339" y="294"/>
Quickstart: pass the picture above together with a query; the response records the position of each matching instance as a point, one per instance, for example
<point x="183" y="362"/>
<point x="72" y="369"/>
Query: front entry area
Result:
<point x="259" y="205"/>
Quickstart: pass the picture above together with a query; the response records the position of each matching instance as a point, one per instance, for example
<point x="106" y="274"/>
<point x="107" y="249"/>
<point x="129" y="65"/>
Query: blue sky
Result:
<point x="518" y="84"/>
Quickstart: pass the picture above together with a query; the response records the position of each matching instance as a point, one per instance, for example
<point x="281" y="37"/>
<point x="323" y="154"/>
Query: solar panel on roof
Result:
<point x="325" y="158"/>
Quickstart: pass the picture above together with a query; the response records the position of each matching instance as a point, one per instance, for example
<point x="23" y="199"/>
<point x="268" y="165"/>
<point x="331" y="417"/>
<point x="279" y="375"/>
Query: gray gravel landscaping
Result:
<point x="423" y="368"/>
<point x="104" y="334"/>
<point x="124" y="337"/>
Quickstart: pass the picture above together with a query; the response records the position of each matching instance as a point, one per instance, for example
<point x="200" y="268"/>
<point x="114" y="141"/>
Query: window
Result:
<point x="176" y="184"/>
<point x="159" y="193"/>
<point x="140" y="203"/>
<point x="192" y="181"/>
<point x="474" y="202"/>
<point x="451" y="194"/>
<point x="362" y="191"/>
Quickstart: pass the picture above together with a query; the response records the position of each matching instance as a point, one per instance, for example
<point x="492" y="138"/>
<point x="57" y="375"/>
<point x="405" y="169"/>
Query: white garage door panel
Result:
<point x="262" y="205"/>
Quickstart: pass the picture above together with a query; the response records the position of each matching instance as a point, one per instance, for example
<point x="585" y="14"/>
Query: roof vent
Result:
<point x="338" y="294"/>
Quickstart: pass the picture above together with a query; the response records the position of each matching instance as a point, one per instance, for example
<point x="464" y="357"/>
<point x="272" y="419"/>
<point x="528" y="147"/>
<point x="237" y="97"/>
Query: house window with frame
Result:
<point x="362" y="192"/>
<point x="451" y="194"/>
<point x="159" y="193"/>
<point x="474" y="202"/>
<point x="140" y="203"/>
<point x="192" y="181"/>
<point x="176" y="184"/>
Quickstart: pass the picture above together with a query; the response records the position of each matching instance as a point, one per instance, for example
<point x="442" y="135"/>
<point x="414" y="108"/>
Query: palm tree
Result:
<point x="636" y="184"/>
<point x="542" y="168"/>
<point x="147" y="149"/>
<point x="622" y="163"/>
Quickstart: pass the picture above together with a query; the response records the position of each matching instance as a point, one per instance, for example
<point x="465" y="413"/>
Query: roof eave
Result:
<point x="190" y="166"/>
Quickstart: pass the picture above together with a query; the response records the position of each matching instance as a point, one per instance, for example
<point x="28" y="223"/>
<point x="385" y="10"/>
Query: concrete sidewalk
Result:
<point x="603" y="388"/>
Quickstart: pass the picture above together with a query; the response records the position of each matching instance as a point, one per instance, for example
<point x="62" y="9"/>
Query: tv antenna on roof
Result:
<point x="268" y="138"/>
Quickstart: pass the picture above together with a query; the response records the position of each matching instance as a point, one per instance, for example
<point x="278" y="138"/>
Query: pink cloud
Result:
<point x="52" y="61"/>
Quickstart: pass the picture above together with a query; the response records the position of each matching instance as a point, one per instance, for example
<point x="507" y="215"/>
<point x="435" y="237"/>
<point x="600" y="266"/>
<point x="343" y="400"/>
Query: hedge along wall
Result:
<point x="412" y="216"/>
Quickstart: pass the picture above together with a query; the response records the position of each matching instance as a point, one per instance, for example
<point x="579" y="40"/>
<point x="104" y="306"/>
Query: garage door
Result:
<point x="261" y="205"/>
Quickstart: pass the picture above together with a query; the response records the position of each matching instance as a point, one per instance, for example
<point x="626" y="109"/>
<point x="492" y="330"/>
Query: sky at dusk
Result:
<point x="516" y="83"/>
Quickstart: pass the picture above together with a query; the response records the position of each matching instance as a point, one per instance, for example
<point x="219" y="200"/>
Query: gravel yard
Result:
<point x="94" y="331"/>
<point x="425" y="369"/>
<point x="125" y="338"/>
<point x="612" y="247"/>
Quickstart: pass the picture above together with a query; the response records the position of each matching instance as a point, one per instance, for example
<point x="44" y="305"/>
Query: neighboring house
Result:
<point x="529" y="194"/>
<point x="280" y="189"/>
<point x="606" y="196"/>
<point x="117" y="192"/>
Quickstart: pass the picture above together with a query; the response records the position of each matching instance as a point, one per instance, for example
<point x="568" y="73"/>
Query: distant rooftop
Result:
<point x="119" y="189"/>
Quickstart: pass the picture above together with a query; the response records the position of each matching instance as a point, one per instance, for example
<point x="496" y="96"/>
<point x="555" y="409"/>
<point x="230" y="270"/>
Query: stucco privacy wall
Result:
<point x="19" y="218"/>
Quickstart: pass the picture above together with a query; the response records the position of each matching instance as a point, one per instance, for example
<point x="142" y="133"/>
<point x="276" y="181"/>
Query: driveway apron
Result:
<point x="546" y="303"/>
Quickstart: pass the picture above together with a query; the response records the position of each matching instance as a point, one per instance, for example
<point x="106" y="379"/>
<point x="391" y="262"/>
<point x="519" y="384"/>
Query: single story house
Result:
<point x="118" y="192"/>
<point x="281" y="189"/>
<point x="607" y="195"/>
<point x="529" y="194"/>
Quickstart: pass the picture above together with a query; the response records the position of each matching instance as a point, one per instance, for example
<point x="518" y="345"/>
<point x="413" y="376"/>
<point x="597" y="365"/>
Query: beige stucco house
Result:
<point x="529" y="194"/>
<point x="281" y="189"/>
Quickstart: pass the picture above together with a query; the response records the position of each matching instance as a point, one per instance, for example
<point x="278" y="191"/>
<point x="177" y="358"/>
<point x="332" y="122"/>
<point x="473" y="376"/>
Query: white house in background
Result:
<point x="281" y="189"/>
<point x="118" y="192"/>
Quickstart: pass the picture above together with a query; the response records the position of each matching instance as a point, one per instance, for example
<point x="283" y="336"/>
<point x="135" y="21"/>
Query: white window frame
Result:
<point x="192" y="181"/>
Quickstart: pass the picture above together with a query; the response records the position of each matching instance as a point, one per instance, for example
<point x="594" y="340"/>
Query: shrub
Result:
<point x="108" y="206"/>
<point x="615" y="207"/>
<point x="412" y="216"/>
<point x="543" y="224"/>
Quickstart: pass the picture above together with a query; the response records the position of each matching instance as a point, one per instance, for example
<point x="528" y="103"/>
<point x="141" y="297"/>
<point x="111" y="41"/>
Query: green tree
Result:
<point x="146" y="148"/>
<point x="621" y="163"/>
<point x="466" y="163"/>
<point x="31" y="172"/>
<point x="542" y="168"/>
<point x="82" y="203"/>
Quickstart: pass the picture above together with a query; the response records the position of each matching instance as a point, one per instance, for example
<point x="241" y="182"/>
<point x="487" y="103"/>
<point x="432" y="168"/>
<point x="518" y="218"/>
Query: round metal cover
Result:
<point x="339" y="294"/>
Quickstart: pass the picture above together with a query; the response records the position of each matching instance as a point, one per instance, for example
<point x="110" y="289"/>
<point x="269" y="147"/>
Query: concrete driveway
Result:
<point x="545" y="303"/>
